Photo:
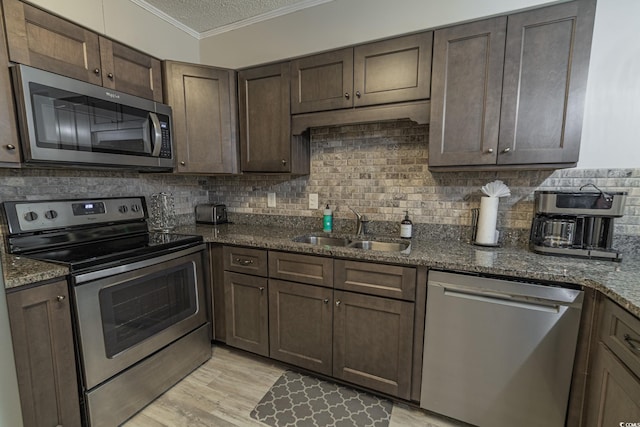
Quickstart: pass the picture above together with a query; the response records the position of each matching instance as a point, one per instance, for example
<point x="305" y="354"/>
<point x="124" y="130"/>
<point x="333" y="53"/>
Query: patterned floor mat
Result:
<point x="297" y="400"/>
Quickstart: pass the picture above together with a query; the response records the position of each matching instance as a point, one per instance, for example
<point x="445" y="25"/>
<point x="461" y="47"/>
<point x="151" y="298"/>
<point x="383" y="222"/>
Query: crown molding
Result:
<point x="230" y="27"/>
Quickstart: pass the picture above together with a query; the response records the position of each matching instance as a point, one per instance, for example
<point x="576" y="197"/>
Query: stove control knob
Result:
<point x="51" y="214"/>
<point x="31" y="216"/>
<point x="135" y="208"/>
<point x="123" y="209"/>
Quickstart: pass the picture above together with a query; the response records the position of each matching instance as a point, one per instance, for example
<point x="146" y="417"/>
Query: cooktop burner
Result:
<point x="87" y="234"/>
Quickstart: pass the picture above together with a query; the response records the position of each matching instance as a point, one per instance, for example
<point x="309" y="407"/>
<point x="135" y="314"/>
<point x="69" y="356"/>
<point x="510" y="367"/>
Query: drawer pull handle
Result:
<point x="244" y="261"/>
<point x="632" y="342"/>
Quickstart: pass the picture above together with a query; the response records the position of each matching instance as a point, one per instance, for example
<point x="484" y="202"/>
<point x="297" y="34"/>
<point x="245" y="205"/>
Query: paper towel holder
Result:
<point x="475" y="212"/>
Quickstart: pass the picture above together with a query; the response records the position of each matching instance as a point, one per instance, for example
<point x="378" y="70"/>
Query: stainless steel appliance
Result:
<point x="76" y="124"/>
<point x="498" y="353"/>
<point x="577" y="224"/>
<point x="209" y="213"/>
<point x="140" y="311"/>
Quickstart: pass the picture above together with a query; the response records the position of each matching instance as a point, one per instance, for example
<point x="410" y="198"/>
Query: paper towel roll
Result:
<point x="486" y="234"/>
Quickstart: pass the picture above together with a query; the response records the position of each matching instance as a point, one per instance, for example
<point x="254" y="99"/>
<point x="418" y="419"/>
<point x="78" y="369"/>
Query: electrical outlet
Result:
<point x="313" y="200"/>
<point x="271" y="200"/>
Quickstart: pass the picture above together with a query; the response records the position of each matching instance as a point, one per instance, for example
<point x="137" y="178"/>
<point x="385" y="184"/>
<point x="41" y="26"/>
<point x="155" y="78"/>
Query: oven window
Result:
<point x="138" y="309"/>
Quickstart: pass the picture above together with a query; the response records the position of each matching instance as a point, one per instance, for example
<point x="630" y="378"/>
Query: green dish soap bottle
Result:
<point x="327" y="220"/>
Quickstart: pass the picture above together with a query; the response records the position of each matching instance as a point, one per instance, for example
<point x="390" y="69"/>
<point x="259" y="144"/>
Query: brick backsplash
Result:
<point x="379" y="169"/>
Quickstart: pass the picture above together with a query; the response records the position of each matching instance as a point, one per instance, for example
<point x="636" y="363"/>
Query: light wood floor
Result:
<point x="223" y="391"/>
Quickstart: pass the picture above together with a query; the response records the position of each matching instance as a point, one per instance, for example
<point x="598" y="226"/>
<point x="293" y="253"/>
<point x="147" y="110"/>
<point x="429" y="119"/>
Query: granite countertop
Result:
<point x="620" y="281"/>
<point x="19" y="271"/>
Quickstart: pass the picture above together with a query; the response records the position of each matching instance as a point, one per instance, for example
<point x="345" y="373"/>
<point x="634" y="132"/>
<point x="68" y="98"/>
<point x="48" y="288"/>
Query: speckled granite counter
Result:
<point x="20" y="271"/>
<point x="619" y="281"/>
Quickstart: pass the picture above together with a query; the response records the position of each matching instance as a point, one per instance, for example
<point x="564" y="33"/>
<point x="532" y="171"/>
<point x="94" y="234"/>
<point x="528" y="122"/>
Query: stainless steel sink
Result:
<point x="374" y="245"/>
<point x="371" y="245"/>
<point x="323" y="240"/>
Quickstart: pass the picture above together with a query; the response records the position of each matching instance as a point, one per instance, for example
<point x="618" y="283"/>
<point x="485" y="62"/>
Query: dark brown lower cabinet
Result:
<point x="373" y="342"/>
<point x="42" y="336"/>
<point x="300" y="325"/>
<point x="246" y="310"/>
<point x="615" y="392"/>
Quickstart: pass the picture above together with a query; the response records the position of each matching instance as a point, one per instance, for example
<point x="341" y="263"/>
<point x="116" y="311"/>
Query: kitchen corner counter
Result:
<point x="19" y="271"/>
<point x="618" y="281"/>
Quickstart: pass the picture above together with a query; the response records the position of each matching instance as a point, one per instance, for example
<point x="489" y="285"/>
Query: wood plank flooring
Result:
<point x="223" y="391"/>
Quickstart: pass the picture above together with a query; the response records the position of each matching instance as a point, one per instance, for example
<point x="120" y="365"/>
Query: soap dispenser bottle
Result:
<point x="327" y="220"/>
<point x="406" y="226"/>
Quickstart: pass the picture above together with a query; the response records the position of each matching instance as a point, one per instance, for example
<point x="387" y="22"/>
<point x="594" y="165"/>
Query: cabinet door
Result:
<point x="545" y="76"/>
<point x="246" y="304"/>
<point x="393" y="70"/>
<point x="322" y="82"/>
<point x="42" y="40"/>
<point x="614" y="397"/>
<point x="300" y="325"/>
<point x="9" y="148"/>
<point x="265" y="122"/>
<point x="43" y="346"/>
<point x="203" y="100"/>
<point x="466" y="93"/>
<point x="127" y="70"/>
<point x="373" y="342"/>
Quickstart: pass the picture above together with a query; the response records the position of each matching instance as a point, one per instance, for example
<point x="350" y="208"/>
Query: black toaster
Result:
<point x="210" y="213"/>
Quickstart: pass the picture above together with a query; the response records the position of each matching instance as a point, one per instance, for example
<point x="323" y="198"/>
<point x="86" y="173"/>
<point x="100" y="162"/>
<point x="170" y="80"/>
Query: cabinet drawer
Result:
<point x="314" y="270"/>
<point x="245" y="260"/>
<point x="620" y="331"/>
<point x="376" y="279"/>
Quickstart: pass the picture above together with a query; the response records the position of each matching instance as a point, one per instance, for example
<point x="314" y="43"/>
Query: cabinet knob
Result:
<point x="261" y="289"/>
<point x="358" y="93"/>
<point x="182" y="163"/>
<point x="284" y="162"/>
<point x="326" y="301"/>
<point x="110" y="75"/>
<point x="490" y="150"/>
<point x="506" y="150"/>
<point x="60" y="298"/>
<point x="346" y="95"/>
<point x="97" y="71"/>
<point x="338" y="302"/>
<point x="11" y="147"/>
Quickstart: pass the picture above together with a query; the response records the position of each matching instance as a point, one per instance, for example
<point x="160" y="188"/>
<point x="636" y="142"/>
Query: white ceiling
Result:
<point x="205" y="18"/>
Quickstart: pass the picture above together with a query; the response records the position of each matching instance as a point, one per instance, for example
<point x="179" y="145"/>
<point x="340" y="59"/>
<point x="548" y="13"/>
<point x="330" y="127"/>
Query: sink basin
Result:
<point x="374" y="245"/>
<point x="371" y="245"/>
<point x="323" y="241"/>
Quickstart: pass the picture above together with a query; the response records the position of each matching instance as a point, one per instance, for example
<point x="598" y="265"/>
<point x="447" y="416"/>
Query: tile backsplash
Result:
<point x="379" y="169"/>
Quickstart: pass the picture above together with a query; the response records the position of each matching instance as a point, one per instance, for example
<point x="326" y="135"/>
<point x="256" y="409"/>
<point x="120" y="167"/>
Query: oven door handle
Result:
<point x="112" y="271"/>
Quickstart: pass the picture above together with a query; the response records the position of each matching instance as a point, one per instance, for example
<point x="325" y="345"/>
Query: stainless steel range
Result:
<point x="140" y="315"/>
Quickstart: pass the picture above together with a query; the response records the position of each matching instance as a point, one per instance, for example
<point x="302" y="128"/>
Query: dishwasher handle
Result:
<point x="546" y="306"/>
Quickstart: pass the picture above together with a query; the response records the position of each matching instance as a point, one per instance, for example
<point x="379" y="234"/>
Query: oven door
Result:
<point x="129" y="312"/>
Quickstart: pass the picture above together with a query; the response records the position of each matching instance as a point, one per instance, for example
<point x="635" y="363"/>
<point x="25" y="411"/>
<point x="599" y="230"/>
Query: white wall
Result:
<point x="611" y="130"/>
<point x="128" y="23"/>
<point x="340" y="23"/>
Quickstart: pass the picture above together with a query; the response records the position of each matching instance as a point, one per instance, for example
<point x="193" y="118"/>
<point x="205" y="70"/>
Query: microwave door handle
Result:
<point x="157" y="134"/>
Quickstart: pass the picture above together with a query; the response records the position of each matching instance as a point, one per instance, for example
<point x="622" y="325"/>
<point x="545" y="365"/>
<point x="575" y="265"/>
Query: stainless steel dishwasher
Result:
<point x="498" y="353"/>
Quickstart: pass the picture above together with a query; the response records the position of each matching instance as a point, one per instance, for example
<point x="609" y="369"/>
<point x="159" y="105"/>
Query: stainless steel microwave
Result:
<point x="67" y="122"/>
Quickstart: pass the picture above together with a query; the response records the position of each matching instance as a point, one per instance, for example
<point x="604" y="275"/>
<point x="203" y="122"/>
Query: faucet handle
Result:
<point x="356" y="212"/>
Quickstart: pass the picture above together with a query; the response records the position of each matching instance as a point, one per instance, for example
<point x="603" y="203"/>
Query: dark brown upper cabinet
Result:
<point x="387" y="71"/>
<point x="204" y="106"/>
<point x="9" y="145"/>
<point x="42" y="40"/>
<point x="509" y="91"/>
<point x="266" y="143"/>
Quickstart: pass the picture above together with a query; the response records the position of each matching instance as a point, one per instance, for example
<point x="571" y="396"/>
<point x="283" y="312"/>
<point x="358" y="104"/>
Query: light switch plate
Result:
<point x="313" y="200"/>
<point x="271" y="200"/>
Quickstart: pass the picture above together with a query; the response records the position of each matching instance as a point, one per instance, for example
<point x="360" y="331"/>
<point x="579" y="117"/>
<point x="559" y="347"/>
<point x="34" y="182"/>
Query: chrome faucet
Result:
<point x="361" y="222"/>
